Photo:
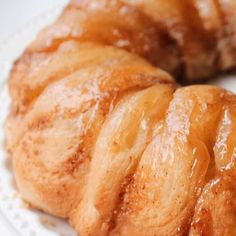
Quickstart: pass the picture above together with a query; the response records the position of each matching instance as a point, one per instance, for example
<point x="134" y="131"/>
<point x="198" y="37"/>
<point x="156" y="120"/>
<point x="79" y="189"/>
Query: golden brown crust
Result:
<point x="215" y="212"/>
<point x="172" y="169"/>
<point x="191" y="38"/>
<point x="68" y="116"/>
<point x="126" y="28"/>
<point x="227" y="33"/>
<point x="125" y="133"/>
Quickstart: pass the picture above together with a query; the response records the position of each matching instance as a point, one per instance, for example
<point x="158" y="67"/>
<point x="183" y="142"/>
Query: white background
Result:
<point x="14" y="14"/>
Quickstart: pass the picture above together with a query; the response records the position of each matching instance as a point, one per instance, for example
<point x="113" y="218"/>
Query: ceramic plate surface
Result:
<point x="16" y="215"/>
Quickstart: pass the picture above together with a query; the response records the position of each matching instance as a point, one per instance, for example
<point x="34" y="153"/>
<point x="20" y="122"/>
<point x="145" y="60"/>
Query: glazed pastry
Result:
<point x="99" y="135"/>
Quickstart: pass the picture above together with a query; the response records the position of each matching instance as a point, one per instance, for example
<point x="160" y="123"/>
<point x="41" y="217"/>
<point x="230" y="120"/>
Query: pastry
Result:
<point x="99" y="135"/>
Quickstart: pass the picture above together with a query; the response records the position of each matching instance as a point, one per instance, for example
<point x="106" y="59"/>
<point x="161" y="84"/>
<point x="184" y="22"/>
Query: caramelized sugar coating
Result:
<point x="192" y="39"/>
<point x="215" y="212"/>
<point x="117" y="152"/>
<point x="162" y="184"/>
<point x="58" y="130"/>
<point x="99" y="135"/>
<point x="111" y="23"/>
<point x="173" y="168"/>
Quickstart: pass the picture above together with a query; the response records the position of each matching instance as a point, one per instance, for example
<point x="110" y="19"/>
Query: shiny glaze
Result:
<point x="64" y="122"/>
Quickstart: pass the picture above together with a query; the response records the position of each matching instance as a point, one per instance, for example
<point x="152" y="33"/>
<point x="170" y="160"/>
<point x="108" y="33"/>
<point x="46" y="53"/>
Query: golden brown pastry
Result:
<point x="99" y="135"/>
<point x="215" y="212"/>
<point x="56" y="136"/>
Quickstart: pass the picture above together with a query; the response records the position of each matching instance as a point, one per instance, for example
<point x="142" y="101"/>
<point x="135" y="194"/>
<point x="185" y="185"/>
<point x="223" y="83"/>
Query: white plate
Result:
<point x="16" y="216"/>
